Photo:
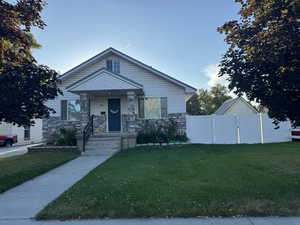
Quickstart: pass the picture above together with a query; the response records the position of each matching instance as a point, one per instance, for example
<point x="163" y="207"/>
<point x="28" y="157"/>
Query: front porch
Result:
<point x="110" y="98"/>
<point x="112" y="111"/>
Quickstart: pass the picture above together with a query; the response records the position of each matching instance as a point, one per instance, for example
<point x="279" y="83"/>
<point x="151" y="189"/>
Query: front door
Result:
<point x="114" y="114"/>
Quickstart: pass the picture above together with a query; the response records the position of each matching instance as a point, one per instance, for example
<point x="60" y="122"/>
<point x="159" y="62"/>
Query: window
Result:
<point x="153" y="108"/>
<point x="109" y="65"/>
<point x="27" y="133"/>
<point x="70" y="109"/>
<point x="113" y="65"/>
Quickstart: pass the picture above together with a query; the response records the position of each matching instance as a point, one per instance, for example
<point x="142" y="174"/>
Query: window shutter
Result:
<point x="109" y="65"/>
<point x="63" y="109"/>
<point x="164" y="107"/>
<point x="141" y="106"/>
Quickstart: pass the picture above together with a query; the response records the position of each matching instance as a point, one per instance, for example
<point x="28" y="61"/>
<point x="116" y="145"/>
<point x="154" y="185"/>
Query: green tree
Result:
<point x="25" y="85"/>
<point x="206" y="102"/>
<point x="263" y="58"/>
<point x="219" y="95"/>
<point x="193" y="105"/>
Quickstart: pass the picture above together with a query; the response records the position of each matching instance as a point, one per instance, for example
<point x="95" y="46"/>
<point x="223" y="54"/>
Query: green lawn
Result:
<point x="188" y="181"/>
<point x="18" y="169"/>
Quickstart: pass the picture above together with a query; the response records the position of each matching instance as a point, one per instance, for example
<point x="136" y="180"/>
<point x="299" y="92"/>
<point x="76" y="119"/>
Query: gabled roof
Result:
<point x="104" y="80"/>
<point x="188" y="88"/>
<point x="229" y="103"/>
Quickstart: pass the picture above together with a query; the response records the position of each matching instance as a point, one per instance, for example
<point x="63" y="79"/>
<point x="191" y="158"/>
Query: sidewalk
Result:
<point x="26" y="200"/>
<point x="15" y="150"/>
<point x="225" y="221"/>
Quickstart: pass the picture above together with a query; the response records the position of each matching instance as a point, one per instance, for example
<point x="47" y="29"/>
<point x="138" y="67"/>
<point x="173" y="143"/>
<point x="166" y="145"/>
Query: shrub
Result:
<point x="181" y="138"/>
<point x="160" y="132"/>
<point x="65" y="137"/>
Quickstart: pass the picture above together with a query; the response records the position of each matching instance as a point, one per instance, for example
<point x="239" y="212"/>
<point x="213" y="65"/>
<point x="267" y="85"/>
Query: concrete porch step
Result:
<point x="116" y="148"/>
<point x="104" y="139"/>
<point x="102" y="147"/>
<point x="117" y="134"/>
<point x="112" y="148"/>
<point x="103" y="144"/>
<point x="97" y="153"/>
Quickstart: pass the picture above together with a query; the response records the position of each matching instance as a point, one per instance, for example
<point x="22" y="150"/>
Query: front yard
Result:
<point x="18" y="169"/>
<point x="188" y="181"/>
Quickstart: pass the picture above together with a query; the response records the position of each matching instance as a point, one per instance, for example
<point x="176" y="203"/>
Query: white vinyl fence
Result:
<point x="215" y="129"/>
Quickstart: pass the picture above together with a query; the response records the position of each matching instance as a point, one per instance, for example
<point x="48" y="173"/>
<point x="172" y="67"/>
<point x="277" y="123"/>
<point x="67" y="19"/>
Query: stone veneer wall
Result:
<point x="132" y="124"/>
<point x="99" y="123"/>
<point x="84" y="110"/>
<point x="53" y="124"/>
<point x="129" y="123"/>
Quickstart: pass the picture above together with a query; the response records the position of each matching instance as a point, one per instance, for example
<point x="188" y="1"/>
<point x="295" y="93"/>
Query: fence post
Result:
<point x="213" y="135"/>
<point x="238" y="135"/>
<point x="261" y="128"/>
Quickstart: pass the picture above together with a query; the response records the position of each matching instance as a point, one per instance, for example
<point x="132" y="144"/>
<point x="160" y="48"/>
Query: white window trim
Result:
<point x="115" y="65"/>
<point x="145" y="98"/>
<point x="68" y="100"/>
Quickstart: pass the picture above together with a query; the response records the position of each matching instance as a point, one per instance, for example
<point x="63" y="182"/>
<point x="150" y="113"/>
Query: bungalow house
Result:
<point x="119" y="93"/>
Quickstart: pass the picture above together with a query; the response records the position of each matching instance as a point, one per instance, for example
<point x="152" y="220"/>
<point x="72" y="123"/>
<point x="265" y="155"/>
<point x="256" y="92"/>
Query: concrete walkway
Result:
<point x="26" y="200"/>
<point x="6" y="152"/>
<point x="226" y="221"/>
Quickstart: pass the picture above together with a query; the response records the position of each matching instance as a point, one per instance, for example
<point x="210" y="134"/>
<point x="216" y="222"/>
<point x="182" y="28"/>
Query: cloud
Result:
<point x="211" y="72"/>
<point x="128" y="45"/>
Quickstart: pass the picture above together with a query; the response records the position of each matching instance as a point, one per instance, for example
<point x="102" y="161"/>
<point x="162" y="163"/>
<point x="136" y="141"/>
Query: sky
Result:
<point x="174" y="36"/>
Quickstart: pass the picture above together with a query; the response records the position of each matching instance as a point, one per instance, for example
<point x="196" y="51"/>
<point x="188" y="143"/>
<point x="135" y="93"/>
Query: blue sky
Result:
<point x="175" y="37"/>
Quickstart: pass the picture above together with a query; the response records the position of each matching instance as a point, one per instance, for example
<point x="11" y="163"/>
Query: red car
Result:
<point x="296" y="134"/>
<point x="8" y="140"/>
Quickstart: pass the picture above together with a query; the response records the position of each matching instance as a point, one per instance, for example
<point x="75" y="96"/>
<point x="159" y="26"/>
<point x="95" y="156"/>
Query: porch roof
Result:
<point x="104" y="80"/>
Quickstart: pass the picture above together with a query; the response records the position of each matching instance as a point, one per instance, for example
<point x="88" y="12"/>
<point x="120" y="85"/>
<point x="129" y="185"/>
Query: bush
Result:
<point x="66" y="137"/>
<point x="160" y="132"/>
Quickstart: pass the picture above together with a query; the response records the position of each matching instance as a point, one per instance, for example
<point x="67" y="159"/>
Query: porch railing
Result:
<point x="87" y="132"/>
